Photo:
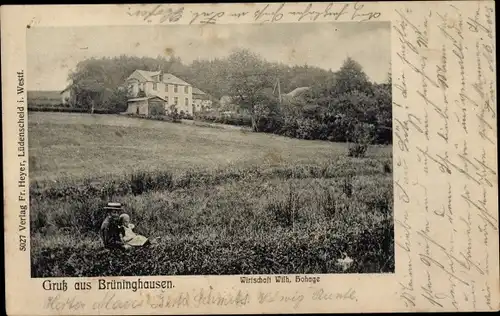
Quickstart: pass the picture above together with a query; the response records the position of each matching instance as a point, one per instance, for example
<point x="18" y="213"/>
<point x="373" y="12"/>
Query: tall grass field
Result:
<point x="217" y="201"/>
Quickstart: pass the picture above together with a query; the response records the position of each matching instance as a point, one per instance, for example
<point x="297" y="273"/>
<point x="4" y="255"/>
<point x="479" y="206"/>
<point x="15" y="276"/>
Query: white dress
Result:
<point x="132" y="239"/>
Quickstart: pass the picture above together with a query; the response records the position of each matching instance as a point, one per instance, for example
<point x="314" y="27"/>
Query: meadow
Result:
<point x="217" y="201"/>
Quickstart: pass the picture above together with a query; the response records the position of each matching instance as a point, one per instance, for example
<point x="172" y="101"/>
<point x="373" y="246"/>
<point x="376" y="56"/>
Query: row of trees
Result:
<point x="341" y="106"/>
<point x="336" y="106"/>
<point x="96" y="81"/>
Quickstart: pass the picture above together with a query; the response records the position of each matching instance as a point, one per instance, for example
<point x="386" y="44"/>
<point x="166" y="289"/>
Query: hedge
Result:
<point x="230" y="120"/>
<point x="69" y="110"/>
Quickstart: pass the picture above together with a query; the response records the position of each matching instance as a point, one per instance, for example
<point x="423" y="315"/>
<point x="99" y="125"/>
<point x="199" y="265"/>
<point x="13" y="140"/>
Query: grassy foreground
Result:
<point x="219" y="201"/>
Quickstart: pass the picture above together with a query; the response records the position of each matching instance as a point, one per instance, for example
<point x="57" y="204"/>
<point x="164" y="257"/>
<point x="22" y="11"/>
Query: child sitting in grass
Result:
<point x="128" y="236"/>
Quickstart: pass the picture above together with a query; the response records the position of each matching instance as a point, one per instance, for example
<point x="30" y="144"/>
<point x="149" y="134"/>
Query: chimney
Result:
<point x="160" y="76"/>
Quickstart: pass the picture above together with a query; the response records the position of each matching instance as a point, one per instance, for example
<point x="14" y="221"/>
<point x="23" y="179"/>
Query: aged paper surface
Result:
<point x="442" y="56"/>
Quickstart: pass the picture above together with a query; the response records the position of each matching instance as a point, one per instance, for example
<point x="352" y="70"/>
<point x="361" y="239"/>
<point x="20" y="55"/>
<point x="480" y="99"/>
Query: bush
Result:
<point x="347" y="185"/>
<point x="363" y="135"/>
<point x="156" y="111"/>
<point x="68" y="110"/>
<point x="166" y="118"/>
<point x="117" y="101"/>
<point x="285" y="210"/>
<point x="174" y="114"/>
<point x="164" y="180"/>
<point x="357" y="150"/>
<point x="34" y="105"/>
<point x="388" y="166"/>
<point x="141" y="182"/>
<point x="307" y="128"/>
<point x="236" y="120"/>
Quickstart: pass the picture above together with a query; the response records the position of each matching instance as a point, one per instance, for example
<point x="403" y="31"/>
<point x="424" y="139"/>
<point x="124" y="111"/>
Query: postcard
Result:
<point x="250" y="158"/>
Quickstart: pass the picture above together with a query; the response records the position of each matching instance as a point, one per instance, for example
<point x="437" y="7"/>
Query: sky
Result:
<point x="53" y="52"/>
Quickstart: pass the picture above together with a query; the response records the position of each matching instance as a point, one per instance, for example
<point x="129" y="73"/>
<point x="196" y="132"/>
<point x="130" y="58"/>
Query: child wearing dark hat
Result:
<point x="111" y="230"/>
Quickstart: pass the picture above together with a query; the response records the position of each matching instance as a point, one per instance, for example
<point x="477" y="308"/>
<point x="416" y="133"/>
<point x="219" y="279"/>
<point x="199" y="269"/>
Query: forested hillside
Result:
<point x="208" y="75"/>
<point x="341" y="105"/>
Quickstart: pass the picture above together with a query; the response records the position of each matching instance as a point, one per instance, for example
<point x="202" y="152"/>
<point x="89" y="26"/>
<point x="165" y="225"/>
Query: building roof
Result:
<point x="147" y="75"/>
<point x="146" y="98"/>
<point x="197" y="91"/>
<point x="297" y="92"/>
<point x="198" y="94"/>
<point x="167" y="78"/>
<point x="137" y="99"/>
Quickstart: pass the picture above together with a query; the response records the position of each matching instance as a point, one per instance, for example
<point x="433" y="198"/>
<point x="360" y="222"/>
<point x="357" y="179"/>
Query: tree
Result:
<point x="351" y="77"/>
<point x="267" y="112"/>
<point x="248" y="75"/>
<point x="211" y="76"/>
<point x="90" y="82"/>
<point x="383" y="108"/>
<point x="117" y="101"/>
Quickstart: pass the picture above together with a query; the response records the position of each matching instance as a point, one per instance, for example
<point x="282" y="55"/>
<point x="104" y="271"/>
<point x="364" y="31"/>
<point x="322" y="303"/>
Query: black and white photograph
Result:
<point x="229" y="149"/>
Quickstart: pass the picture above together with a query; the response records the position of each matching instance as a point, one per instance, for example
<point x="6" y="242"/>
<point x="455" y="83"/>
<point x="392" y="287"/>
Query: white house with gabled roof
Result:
<point x="168" y="87"/>
<point x="201" y="100"/>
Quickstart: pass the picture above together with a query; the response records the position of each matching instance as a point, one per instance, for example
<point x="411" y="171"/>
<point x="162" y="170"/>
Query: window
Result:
<point x="155" y="86"/>
<point x="175" y="88"/>
<point x="186" y="89"/>
<point x="186" y="102"/>
<point x="166" y="87"/>
<point x="176" y="99"/>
